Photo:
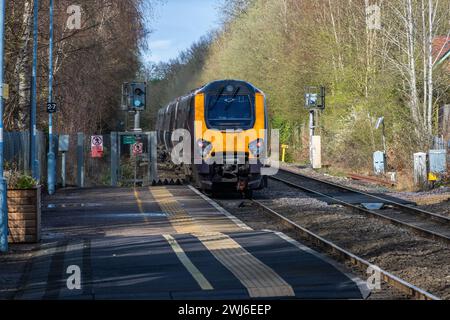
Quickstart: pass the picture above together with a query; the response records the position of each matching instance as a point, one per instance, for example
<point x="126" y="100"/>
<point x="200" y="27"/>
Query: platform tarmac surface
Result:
<point x="169" y="243"/>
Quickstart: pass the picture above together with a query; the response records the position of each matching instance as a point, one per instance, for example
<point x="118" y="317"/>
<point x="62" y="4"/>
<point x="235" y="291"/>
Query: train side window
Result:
<point x="166" y="118"/>
<point x="172" y="117"/>
<point x="175" y="116"/>
<point x="182" y="118"/>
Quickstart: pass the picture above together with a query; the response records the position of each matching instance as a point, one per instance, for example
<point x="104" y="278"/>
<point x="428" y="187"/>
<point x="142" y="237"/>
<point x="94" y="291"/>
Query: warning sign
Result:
<point x="96" y="146"/>
<point x="138" y="148"/>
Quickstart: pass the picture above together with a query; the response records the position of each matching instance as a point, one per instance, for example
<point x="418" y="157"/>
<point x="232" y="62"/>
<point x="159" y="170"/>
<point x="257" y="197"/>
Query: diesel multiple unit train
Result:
<point x="226" y="121"/>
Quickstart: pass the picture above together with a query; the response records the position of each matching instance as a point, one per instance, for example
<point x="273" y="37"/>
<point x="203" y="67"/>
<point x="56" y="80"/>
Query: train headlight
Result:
<point x="204" y="147"/>
<point x="256" y="147"/>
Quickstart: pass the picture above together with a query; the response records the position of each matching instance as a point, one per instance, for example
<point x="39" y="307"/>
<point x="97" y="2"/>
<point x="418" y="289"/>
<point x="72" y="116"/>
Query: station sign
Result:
<point x="96" y="146"/>
<point x="51" y="107"/>
<point x="129" y="139"/>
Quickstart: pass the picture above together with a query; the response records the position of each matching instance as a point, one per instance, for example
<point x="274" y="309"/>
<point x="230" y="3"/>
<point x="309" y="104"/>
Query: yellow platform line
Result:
<point x="196" y="274"/>
<point x="139" y="203"/>
<point x="259" y="279"/>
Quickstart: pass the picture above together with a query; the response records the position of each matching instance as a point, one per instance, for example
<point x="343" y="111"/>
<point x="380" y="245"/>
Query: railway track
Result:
<point x="424" y="223"/>
<point x="362" y="264"/>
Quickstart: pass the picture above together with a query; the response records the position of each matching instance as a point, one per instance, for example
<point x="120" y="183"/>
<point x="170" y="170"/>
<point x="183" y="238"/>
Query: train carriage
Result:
<point x="227" y="122"/>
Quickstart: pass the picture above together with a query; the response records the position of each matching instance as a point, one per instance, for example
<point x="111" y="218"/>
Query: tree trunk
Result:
<point x="425" y="64"/>
<point x="430" y="68"/>
<point x="414" y="100"/>
<point x="23" y="68"/>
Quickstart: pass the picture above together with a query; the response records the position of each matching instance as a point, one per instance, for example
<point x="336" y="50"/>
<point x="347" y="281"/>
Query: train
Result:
<point x="225" y="128"/>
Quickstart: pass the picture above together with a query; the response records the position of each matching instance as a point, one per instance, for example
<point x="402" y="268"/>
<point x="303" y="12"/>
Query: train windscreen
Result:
<point x="229" y="112"/>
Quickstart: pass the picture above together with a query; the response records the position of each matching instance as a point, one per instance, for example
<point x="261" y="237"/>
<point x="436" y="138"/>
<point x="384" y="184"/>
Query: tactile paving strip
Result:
<point x="181" y="221"/>
<point x="259" y="280"/>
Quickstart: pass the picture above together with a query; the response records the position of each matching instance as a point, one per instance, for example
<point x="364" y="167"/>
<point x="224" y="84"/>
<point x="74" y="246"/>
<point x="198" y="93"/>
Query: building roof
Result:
<point x="441" y="48"/>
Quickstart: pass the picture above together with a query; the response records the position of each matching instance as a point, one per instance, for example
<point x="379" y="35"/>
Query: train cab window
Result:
<point x="229" y="112"/>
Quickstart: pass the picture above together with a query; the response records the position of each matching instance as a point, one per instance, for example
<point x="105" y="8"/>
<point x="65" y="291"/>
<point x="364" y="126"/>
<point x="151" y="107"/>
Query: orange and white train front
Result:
<point x="230" y="137"/>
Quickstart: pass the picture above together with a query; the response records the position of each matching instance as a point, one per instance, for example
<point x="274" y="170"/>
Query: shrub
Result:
<point x="18" y="180"/>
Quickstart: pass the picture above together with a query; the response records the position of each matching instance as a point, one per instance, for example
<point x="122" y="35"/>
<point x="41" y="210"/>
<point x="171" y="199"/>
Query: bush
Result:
<point x="18" y="180"/>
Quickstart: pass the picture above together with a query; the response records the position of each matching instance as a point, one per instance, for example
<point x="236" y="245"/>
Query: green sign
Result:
<point x="129" y="139"/>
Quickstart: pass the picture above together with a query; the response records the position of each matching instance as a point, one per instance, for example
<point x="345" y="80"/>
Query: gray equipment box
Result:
<point x="438" y="161"/>
<point x="379" y="162"/>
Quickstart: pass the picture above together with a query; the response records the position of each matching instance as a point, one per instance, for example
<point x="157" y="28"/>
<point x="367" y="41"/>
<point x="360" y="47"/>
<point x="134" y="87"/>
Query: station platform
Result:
<point x="170" y="243"/>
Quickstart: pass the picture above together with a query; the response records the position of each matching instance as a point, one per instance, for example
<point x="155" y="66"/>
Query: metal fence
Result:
<point x="116" y="167"/>
<point x="439" y="143"/>
<point x="17" y="151"/>
<point x="81" y="169"/>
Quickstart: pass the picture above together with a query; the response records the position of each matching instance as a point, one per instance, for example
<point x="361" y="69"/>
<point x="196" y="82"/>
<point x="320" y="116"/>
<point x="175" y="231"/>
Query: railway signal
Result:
<point x="134" y="99"/>
<point x="315" y="98"/>
<point x="314" y="102"/>
<point x="134" y="96"/>
<point x="139" y="96"/>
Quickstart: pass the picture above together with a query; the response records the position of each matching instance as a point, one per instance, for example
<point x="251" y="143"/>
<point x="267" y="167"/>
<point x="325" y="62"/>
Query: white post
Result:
<point x="63" y="169"/>
<point x="311" y="135"/>
<point x="420" y="169"/>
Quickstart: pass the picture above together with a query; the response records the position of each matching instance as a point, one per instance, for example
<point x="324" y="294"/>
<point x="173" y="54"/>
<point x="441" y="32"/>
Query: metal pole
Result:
<point x="3" y="186"/>
<point x="34" y="163"/>
<point x="135" y="170"/>
<point x="384" y="148"/>
<point x="80" y="159"/>
<point x="152" y="157"/>
<point x="137" y="121"/>
<point x="51" y="155"/>
<point x="114" y="159"/>
<point x="311" y="134"/>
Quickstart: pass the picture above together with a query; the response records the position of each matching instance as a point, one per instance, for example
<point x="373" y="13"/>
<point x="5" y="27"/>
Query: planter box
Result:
<point x="24" y="215"/>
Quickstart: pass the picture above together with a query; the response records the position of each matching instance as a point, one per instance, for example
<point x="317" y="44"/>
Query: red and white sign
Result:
<point x="96" y="146"/>
<point x="138" y="148"/>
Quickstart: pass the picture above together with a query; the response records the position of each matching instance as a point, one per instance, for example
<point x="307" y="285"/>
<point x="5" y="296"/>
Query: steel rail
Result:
<point x="401" y="206"/>
<point x="402" y="285"/>
<point x="416" y="229"/>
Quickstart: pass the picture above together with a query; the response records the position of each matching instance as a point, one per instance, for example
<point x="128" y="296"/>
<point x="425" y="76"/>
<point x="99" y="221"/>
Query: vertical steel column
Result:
<point x="3" y="186"/>
<point x="51" y="158"/>
<point x="80" y="160"/>
<point x="119" y="157"/>
<point x="114" y="155"/>
<point x="137" y="121"/>
<point x="34" y="162"/>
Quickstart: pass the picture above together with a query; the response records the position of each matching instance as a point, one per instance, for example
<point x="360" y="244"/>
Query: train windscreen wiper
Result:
<point x="217" y="99"/>
<point x="232" y="98"/>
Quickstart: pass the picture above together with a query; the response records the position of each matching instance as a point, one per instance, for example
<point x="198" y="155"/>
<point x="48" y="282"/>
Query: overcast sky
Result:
<point x="177" y="24"/>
